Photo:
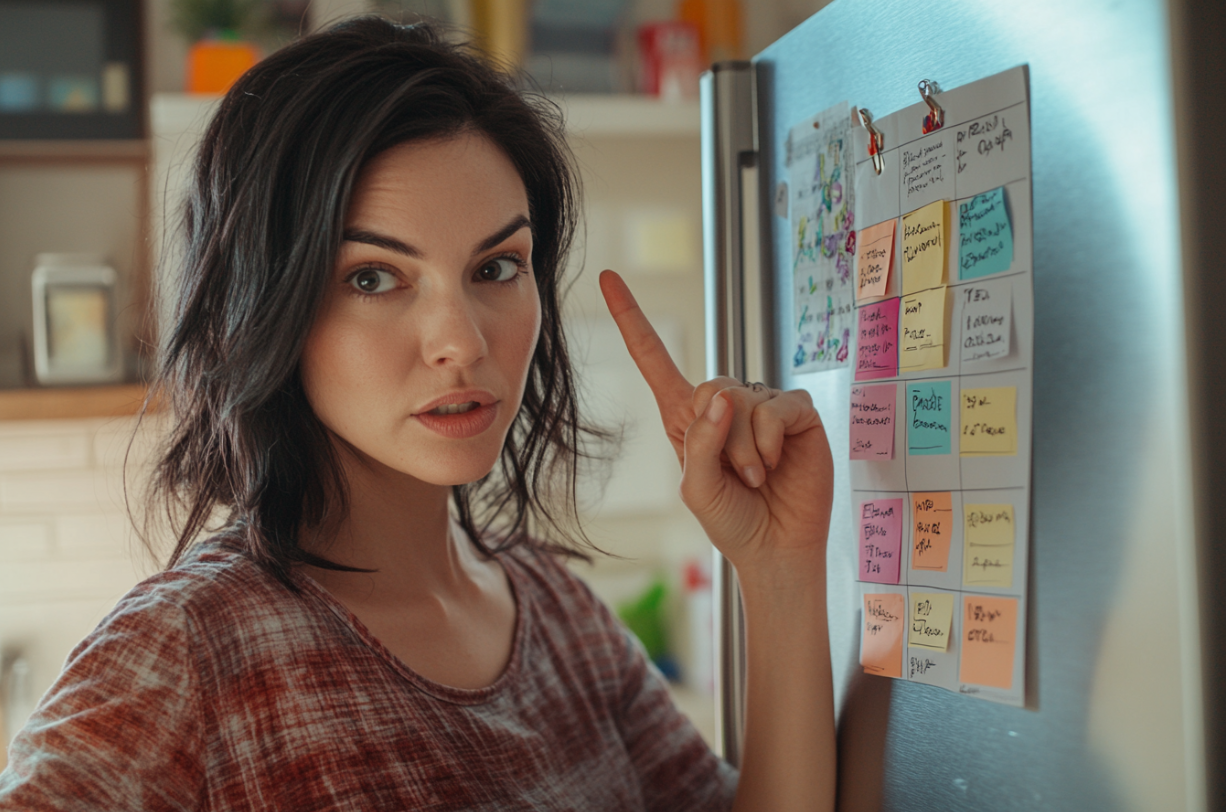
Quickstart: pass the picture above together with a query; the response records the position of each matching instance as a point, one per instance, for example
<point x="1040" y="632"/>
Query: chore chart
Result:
<point x="942" y="367"/>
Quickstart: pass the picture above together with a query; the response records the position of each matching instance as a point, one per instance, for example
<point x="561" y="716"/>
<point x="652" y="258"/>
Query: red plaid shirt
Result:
<point x="213" y="687"/>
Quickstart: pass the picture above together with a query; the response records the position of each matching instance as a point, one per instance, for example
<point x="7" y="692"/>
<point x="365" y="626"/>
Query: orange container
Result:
<point x="719" y="24"/>
<point x="214" y="65"/>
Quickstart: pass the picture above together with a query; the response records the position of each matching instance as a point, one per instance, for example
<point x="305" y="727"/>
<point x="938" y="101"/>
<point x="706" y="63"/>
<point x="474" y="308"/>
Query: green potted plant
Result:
<point x="218" y="54"/>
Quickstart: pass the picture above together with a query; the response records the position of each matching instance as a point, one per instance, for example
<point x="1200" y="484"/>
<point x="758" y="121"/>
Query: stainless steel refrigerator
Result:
<point x="1122" y="671"/>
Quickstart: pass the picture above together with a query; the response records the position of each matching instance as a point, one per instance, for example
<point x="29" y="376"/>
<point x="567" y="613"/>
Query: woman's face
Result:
<point x="420" y="352"/>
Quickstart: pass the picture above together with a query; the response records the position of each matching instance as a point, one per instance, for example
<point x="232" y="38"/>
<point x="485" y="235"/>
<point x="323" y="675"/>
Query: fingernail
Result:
<point x="716" y="408"/>
<point x="753" y="475"/>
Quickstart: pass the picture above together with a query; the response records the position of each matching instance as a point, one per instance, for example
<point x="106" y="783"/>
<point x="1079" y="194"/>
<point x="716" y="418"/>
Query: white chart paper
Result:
<point x="978" y="163"/>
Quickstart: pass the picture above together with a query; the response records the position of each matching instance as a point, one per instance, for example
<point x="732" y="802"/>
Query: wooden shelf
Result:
<point x="589" y="115"/>
<point x="628" y="115"/>
<point x="74" y="150"/>
<point x="68" y="403"/>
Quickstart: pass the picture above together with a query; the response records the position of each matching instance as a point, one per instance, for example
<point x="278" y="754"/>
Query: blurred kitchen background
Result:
<point x="101" y="106"/>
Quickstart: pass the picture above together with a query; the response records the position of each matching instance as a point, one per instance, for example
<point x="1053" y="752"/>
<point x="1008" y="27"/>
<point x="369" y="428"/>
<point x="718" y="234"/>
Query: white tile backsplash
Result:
<point x="67" y="548"/>
<point x="53" y="492"/>
<point x="39" y="581"/>
<point x="94" y="535"/>
<point x="113" y="441"/>
<point x="24" y="540"/>
<point x="44" y="451"/>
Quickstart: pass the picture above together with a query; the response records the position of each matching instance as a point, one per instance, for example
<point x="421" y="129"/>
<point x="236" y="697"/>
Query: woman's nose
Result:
<point x="452" y="333"/>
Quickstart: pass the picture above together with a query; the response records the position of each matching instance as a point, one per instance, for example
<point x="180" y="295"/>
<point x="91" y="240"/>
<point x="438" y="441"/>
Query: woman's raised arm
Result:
<point x="758" y="475"/>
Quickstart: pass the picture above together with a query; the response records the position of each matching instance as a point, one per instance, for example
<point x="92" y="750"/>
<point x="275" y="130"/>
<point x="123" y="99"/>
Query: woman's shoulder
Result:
<point x="543" y="565"/>
<point x="558" y="593"/>
<point x="213" y="575"/>
<point x="214" y="600"/>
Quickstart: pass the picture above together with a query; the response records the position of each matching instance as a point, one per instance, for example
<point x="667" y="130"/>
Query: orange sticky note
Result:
<point x="874" y="256"/>
<point x="885" y="619"/>
<point x="989" y="634"/>
<point x="933" y="522"/>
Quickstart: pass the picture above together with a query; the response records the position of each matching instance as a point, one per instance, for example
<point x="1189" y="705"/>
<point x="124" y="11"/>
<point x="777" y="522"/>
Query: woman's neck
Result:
<point x="397" y="525"/>
<point x="445" y="611"/>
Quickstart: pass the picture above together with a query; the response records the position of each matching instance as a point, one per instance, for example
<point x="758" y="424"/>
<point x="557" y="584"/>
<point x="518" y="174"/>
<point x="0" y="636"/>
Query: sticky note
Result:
<point x="874" y="257"/>
<point x="986" y="319"/>
<point x="923" y="331"/>
<point x="932" y="517"/>
<point x="988" y="543"/>
<point x="880" y="540"/>
<point x="881" y="644"/>
<point x="932" y="614"/>
<point x="989" y="631"/>
<point x="923" y="248"/>
<point x="928" y="418"/>
<point x="877" y="341"/>
<point x="989" y="422"/>
<point x="872" y="421"/>
<point x="985" y="242"/>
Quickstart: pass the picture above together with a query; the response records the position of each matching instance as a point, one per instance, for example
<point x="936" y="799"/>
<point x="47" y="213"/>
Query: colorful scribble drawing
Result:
<point x="823" y="244"/>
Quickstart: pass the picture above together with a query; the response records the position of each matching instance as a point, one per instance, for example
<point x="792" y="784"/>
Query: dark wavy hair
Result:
<point x="263" y="224"/>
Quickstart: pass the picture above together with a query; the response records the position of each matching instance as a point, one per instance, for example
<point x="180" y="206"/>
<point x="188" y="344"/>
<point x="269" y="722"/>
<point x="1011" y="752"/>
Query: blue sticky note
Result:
<point x="928" y="418"/>
<point x="986" y="237"/>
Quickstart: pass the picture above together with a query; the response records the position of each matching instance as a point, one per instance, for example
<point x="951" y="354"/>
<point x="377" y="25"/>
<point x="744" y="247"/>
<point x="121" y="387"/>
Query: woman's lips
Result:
<point x="460" y="425"/>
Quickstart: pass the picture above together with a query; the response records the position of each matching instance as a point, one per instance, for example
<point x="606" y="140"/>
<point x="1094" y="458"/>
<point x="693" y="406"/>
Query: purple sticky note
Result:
<point x="872" y="421"/>
<point x="880" y="540"/>
<point x="877" y="344"/>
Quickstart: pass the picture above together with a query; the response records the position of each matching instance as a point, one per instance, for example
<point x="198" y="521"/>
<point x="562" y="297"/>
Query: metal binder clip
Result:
<point x="876" y="141"/>
<point x="936" y="116"/>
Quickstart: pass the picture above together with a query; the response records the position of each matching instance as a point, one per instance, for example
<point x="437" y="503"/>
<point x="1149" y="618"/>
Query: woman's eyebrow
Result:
<point x="380" y="241"/>
<point x="520" y="221"/>
<point x="393" y="244"/>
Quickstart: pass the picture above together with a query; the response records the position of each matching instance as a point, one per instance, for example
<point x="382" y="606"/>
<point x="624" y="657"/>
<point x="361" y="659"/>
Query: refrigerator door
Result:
<point x="1113" y="704"/>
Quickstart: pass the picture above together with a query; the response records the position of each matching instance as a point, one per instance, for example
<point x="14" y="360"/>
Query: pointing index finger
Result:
<point x="648" y="351"/>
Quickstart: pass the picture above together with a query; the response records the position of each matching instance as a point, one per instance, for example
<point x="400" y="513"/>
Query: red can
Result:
<point x="670" y="60"/>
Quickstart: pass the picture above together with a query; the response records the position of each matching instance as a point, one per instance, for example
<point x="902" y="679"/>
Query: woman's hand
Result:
<point x="756" y="466"/>
<point x="757" y="472"/>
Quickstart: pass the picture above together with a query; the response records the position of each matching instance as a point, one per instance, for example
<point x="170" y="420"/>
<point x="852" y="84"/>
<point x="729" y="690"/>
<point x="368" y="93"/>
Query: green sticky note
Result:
<point x="985" y="244"/>
<point x="928" y="418"/>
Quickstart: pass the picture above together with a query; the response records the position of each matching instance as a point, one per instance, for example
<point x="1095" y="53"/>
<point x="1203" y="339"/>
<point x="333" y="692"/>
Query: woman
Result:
<point x="370" y="384"/>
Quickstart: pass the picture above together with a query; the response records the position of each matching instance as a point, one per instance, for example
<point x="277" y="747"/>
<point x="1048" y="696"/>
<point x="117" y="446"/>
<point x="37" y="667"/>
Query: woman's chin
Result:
<point x="450" y="472"/>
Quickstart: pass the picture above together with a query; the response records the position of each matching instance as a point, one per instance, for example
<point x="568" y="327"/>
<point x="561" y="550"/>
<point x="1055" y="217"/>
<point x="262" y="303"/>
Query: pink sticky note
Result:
<point x="880" y="540"/>
<point x="872" y="421"/>
<point x="874" y="256"/>
<point x="877" y="344"/>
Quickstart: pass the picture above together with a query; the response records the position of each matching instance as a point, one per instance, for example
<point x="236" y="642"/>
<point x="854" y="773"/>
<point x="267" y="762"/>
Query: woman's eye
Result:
<point x="502" y="269"/>
<point x="373" y="280"/>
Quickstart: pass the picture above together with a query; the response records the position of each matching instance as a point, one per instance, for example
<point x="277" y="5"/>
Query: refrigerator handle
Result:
<point x="729" y="149"/>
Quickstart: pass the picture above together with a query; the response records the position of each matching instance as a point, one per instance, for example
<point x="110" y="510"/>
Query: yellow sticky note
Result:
<point x="923" y="247"/>
<point x="988" y="542"/>
<point x="923" y="331"/>
<point x="932" y="614"/>
<point x="989" y="422"/>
